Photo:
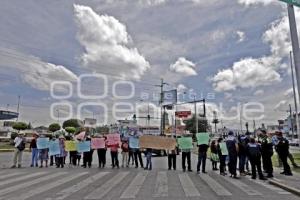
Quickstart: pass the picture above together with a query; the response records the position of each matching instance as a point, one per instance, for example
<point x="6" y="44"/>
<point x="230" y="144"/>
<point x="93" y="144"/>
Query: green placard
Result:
<point x="185" y="143"/>
<point x="293" y="2"/>
<point x="224" y="149"/>
<point x="202" y="138"/>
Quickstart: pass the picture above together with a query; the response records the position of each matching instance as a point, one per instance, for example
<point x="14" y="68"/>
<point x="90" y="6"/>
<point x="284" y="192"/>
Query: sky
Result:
<point x="89" y="58"/>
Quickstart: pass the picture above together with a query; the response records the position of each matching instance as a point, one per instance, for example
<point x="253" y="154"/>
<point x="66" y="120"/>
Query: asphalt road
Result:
<point x="128" y="183"/>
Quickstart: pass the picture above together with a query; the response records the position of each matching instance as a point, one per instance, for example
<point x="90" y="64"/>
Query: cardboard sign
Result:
<point x="54" y="148"/>
<point x="157" y="142"/>
<point x="113" y="139"/>
<point x="185" y="143"/>
<point x="134" y="143"/>
<point x="223" y="148"/>
<point x="202" y="138"/>
<point x="42" y="143"/>
<point x="98" y="143"/>
<point x="70" y="146"/>
<point x="83" y="146"/>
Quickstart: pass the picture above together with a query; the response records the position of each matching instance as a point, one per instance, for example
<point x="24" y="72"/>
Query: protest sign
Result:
<point x="54" y="147"/>
<point x="83" y="146"/>
<point x="98" y="143"/>
<point x="42" y="143"/>
<point x="202" y="138"/>
<point x="223" y="148"/>
<point x="70" y="146"/>
<point x="185" y="143"/>
<point x="157" y="142"/>
<point x="134" y="143"/>
<point x="113" y="139"/>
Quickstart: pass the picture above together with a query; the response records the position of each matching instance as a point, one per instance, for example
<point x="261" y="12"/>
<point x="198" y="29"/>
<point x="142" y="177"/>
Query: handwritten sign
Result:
<point x="42" y="143"/>
<point x="202" y="138"/>
<point x="98" y="143"/>
<point x="113" y="139"/>
<point x="83" y="146"/>
<point x="223" y="148"/>
<point x="185" y="143"/>
<point x="134" y="143"/>
<point x="157" y="142"/>
<point x="54" y="147"/>
<point x="70" y="146"/>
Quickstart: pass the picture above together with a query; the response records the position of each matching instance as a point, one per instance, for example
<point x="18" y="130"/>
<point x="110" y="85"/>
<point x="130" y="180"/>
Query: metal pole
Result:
<point x="18" y="108"/>
<point x="295" y="97"/>
<point x="196" y="115"/>
<point x="295" y="44"/>
<point x="241" y="118"/>
<point x="291" y="117"/>
<point x="204" y="113"/>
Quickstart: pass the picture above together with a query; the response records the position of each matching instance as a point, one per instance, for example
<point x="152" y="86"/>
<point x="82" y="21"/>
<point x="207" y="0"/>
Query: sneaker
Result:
<point x="31" y="165"/>
<point x="262" y="178"/>
<point x="288" y="174"/>
<point x="204" y="172"/>
<point x="282" y="172"/>
<point x="270" y="176"/>
<point x="190" y="170"/>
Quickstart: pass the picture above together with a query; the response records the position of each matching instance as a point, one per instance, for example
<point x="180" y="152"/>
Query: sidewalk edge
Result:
<point x="285" y="187"/>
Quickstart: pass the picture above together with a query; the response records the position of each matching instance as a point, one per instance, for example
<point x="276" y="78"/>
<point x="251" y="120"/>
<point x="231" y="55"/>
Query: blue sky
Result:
<point x="236" y="49"/>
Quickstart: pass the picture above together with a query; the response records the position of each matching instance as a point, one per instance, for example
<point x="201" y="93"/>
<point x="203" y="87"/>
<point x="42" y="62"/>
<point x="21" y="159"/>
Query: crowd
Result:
<point x="233" y="153"/>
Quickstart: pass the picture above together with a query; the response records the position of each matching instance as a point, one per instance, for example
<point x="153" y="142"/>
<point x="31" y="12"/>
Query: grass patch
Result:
<point x="296" y="158"/>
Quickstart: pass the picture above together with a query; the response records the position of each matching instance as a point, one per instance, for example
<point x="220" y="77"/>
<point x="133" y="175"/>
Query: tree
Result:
<point x="70" y="130"/>
<point x="191" y="125"/>
<point x="54" y="127"/>
<point x="76" y="123"/>
<point x="20" y="126"/>
<point x="102" y="129"/>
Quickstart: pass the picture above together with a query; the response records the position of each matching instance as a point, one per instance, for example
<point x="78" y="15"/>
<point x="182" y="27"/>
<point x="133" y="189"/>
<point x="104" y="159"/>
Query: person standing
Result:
<point x="186" y="157"/>
<point x="172" y="158"/>
<point x="125" y="152"/>
<point x="222" y="156"/>
<point x="232" y="147"/>
<point x="148" y="159"/>
<point x="202" y="155"/>
<point x="282" y="149"/>
<point x="138" y="158"/>
<point x="43" y="155"/>
<point x="254" y="154"/>
<point x="19" y="142"/>
<point x="60" y="157"/>
<point x="34" y="151"/>
<point x="242" y="154"/>
<point x="114" y="155"/>
<point x="102" y="156"/>
<point x="214" y="155"/>
<point x="130" y="157"/>
<point x="267" y="153"/>
<point x="88" y="156"/>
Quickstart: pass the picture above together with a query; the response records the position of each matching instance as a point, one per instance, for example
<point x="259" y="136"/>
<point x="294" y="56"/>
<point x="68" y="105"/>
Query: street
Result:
<point x="78" y="183"/>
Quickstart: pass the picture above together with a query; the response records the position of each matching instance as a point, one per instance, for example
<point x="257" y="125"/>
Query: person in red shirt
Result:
<point x="125" y="153"/>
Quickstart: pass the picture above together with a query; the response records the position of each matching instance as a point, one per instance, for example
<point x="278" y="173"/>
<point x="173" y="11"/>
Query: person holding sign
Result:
<point x="222" y="152"/>
<point x="60" y="157"/>
<point x="202" y="140"/>
<point x="101" y="152"/>
<point x="125" y="152"/>
<point x="87" y="153"/>
<point x="186" y="144"/>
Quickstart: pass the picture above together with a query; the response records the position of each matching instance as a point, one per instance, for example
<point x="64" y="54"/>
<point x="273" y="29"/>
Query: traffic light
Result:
<point x="134" y="117"/>
<point x="148" y="117"/>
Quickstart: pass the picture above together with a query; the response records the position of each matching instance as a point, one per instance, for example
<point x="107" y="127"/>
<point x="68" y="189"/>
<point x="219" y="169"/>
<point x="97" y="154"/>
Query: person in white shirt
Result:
<point x="19" y="148"/>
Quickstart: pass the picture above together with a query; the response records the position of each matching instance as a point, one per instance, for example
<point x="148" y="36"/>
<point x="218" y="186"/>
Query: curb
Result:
<point x="11" y="150"/>
<point x="285" y="187"/>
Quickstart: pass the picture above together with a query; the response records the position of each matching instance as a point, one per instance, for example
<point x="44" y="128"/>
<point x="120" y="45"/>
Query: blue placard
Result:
<point x="134" y="143"/>
<point x="84" y="146"/>
<point x="42" y="143"/>
<point x="54" y="148"/>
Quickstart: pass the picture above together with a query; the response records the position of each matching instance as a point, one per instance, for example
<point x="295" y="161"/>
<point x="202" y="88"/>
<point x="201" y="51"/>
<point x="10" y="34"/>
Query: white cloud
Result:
<point x="282" y="105"/>
<point x="35" y="72"/>
<point x="181" y="88"/>
<point x="241" y="36"/>
<point x="254" y="2"/>
<point x="106" y="41"/>
<point x="289" y="93"/>
<point x="246" y="73"/>
<point x="259" y="92"/>
<point x="184" y="67"/>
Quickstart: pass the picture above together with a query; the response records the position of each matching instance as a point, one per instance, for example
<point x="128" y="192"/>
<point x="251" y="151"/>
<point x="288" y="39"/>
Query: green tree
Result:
<point x="70" y="130"/>
<point x="54" y="127"/>
<point x="102" y="129"/>
<point x="191" y="124"/>
<point x="20" y="126"/>
<point x="76" y="123"/>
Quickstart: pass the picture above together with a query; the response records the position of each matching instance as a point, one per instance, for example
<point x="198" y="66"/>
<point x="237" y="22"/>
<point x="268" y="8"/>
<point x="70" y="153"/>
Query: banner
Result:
<point x="70" y="146"/>
<point x="98" y="143"/>
<point x="202" y="138"/>
<point x="83" y="146"/>
<point x="134" y="143"/>
<point x="113" y="139"/>
<point x="223" y="148"/>
<point x="54" y="147"/>
<point x="185" y="143"/>
<point x="42" y="143"/>
<point x="169" y="97"/>
<point x="157" y="142"/>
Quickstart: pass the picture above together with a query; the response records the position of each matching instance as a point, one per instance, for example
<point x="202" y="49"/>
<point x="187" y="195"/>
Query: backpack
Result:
<point x="21" y="146"/>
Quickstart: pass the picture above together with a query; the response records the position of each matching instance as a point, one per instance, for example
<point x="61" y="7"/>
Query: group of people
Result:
<point x="243" y="148"/>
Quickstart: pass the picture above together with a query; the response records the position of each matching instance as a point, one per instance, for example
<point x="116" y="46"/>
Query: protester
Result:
<point x="254" y="155"/>
<point x="101" y="157"/>
<point x="202" y="155"/>
<point x="267" y="153"/>
<point x="19" y="142"/>
<point x="186" y="157"/>
<point x="60" y="157"/>
<point x="282" y="149"/>
<point x="114" y="155"/>
<point x="148" y="159"/>
<point x="242" y="154"/>
<point x="214" y="155"/>
<point x="138" y="158"/>
<point x="131" y="156"/>
<point x="232" y="147"/>
<point x="43" y="155"/>
<point x="222" y="158"/>
<point x="34" y="151"/>
<point x="172" y="158"/>
<point x="125" y="152"/>
<point x="88" y="156"/>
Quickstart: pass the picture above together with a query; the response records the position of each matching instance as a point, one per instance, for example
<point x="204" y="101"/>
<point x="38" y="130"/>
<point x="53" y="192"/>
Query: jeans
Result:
<point x="34" y="156"/>
<point x="286" y="166"/>
<point x="256" y="163"/>
<point x="138" y="157"/>
<point x="186" y="156"/>
<point x="222" y="163"/>
<point x="172" y="161"/>
<point x="149" y="161"/>
<point x="101" y="157"/>
<point x="201" y="160"/>
<point x="114" y="159"/>
<point x="242" y="162"/>
<point x="232" y="163"/>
